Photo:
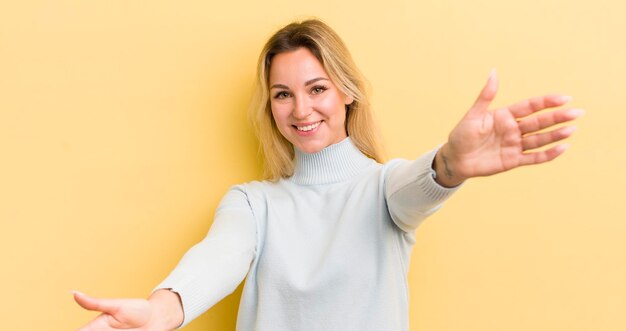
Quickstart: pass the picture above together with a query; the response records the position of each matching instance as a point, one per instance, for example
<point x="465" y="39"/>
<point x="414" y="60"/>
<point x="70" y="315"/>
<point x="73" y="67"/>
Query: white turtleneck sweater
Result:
<point x="326" y="249"/>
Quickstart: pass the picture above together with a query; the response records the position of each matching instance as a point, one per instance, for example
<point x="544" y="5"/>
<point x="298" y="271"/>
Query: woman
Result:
<point x="324" y="242"/>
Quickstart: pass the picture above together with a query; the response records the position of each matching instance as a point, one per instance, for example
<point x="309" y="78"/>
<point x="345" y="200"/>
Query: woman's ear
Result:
<point x="348" y="99"/>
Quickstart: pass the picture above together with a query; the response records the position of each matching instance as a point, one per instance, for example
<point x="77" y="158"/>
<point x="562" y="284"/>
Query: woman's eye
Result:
<point x="318" y="89"/>
<point x="281" y="95"/>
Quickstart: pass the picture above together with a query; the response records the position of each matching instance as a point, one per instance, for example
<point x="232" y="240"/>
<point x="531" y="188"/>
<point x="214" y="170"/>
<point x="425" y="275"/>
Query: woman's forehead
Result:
<point x="295" y="66"/>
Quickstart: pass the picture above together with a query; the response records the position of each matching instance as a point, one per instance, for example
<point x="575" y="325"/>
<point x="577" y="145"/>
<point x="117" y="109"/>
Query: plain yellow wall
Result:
<point x="122" y="123"/>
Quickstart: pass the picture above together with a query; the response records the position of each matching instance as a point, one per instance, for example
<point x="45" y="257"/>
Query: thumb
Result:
<point x="107" y="306"/>
<point x="487" y="94"/>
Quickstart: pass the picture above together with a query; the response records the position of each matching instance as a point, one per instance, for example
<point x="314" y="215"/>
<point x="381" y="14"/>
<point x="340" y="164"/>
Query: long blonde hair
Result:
<point x="334" y="56"/>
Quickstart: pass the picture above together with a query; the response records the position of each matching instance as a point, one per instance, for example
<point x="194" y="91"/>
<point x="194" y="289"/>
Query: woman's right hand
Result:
<point x="116" y="313"/>
<point x="162" y="312"/>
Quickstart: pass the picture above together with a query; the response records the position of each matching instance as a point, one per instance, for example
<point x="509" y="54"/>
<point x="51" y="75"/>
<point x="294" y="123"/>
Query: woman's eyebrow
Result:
<point x="307" y="83"/>
<point x="311" y="81"/>
<point x="279" y="86"/>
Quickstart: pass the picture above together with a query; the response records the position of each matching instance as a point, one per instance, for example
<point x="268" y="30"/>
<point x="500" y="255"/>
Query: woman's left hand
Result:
<point x="487" y="142"/>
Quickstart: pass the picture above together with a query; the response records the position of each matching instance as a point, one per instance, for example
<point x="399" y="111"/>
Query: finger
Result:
<point x="487" y="94"/>
<point x="545" y="138"/>
<point x="85" y="301"/>
<point x="108" y="306"/>
<point x="535" y="104"/>
<point x="97" y="324"/>
<point x="543" y="121"/>
<point x="543" y="156"/>
<point x="100" y="323"/>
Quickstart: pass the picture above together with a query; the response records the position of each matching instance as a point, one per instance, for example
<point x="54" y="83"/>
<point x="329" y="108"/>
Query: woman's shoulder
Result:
<point x="258" y="187"/>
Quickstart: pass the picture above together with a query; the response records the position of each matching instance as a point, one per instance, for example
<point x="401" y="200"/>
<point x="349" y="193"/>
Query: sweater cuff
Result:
<point x="192" y="301"/>
<point x="434" y="190"/>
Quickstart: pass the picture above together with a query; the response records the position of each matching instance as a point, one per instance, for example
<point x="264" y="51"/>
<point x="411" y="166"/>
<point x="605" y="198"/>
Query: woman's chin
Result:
<point x="310" y="148"/>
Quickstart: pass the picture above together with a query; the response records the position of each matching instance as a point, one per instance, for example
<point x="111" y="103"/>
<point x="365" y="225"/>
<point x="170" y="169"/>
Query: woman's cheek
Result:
<point x="329" y="103"/>
<point x="278" y="111"/>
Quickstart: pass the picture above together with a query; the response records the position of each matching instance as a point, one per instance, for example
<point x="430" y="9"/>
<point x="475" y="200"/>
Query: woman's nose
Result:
<point x="302" y="109"/>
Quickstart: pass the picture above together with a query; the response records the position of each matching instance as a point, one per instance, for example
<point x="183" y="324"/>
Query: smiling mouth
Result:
<point x="309" y="127"/>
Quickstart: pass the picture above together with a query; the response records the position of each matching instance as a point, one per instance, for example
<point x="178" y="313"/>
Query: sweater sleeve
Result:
<point x="411" y="191"/>
<point x="214" y="267"/>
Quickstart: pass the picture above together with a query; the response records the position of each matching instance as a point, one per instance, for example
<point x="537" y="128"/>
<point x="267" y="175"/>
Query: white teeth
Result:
<point x="309" y="127"/>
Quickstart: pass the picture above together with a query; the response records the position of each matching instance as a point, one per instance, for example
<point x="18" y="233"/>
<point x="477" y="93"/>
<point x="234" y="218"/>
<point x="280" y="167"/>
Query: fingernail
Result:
<point x="566" y="98"/>
<point x="571" y="129"/>
<point x="76" y="292"/>
<point x="492" y="73"/>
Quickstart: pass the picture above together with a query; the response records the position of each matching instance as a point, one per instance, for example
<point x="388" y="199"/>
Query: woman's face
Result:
<point x="309" y="110"/>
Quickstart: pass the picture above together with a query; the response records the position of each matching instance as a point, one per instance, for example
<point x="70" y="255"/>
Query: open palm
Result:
<point x="486" y="142"/>
<point x="117" y="314"/>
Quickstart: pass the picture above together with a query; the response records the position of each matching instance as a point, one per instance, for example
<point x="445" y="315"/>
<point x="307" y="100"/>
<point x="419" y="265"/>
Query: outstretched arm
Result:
<point x="486" y="142"/>
<point x="209" y="271"/>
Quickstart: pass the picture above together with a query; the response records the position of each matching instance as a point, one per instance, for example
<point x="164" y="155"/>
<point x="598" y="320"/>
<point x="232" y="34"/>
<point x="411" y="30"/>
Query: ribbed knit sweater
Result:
<point x="326" y="249"/>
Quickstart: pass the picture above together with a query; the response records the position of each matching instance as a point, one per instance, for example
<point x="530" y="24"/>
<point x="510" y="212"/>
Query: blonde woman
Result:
<point x="324" y="241"/>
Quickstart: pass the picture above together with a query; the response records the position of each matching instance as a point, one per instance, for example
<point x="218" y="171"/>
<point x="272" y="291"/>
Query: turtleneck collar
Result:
<point x="332" y="164"/>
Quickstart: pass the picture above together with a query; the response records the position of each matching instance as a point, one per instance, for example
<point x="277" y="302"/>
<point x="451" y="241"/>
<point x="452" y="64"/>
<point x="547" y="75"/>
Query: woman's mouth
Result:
<point x="308" y="128"/>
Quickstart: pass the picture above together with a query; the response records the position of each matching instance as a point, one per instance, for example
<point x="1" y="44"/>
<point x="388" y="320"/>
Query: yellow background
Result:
<point x="122" y="123"/>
